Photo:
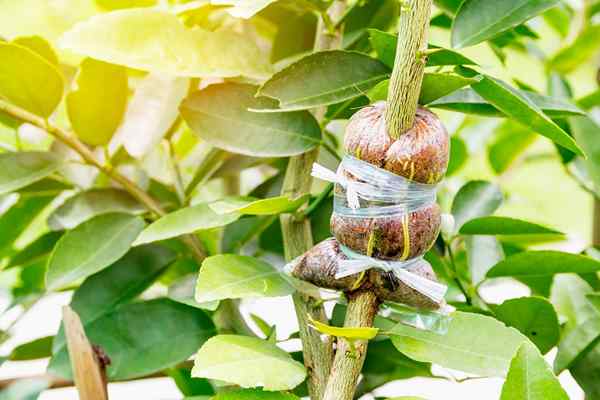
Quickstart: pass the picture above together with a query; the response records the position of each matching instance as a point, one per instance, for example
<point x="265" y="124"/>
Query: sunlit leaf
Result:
<point x="97" y="103"/>
<point x="18" y="170"/>
<point x="228" y="276"/>
<point x="494" y="225"/>
<point x="511" y="141"/>
<point x="28" y="80"/>
<point x="479" y="20"/>
<point x="91" y="247"/>
<point x="577" y="53"/>
<point x="350" y="333"/>
<point x="219" y="114"/>
<point x="33" y="350"/>
<point x="38" y="45"/>
<point x="247" y="362"/>
<point x="156" y="41"/>
<point x="544" y="263"/>
<point x="251" y="206"/>
<point x="243" y="8"/>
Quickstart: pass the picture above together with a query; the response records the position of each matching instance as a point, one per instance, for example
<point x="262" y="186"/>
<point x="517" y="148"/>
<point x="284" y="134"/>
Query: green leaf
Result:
<point x="543" y="263"/>
<point x="219" y="114"/>
<point x="156" y="41"/>
<point x="35" y="251"/>
<point x="28" y="80"/>
<point x="467" y="346"/>
<point x="589" y="101"/>
<point x="586" y="131"/>
<point x="534" y="317"/>
<point x="579" y="52"/>
<point x="483" y="252"/>
<point x="251" y="206"/>
<point x="89" y="204"/>
<point x="523" y="110"/>
<point x="19" y="216"/>
<point x="435" y="86"/>
<point x="97" y="104"/>
<point x="469" y="102"/>
<point x="254" y="394"/>
<point x="576" y="343"/>
<point x="91" y="247"/>
<point x="152" y="110"/>
<point x="344" y="332"/>
<point x="530" y="378"/>
<point x="228" y="276"/>
<point x="385" y="45"/>
<point x="182" y="291"/>
<point x="510" y="142"/>
<point x="18" y="170"/>
<point x="374" y="14"/>
<point x="146" y="337"/>
<point x="243" y="8"/>
<point x="475" y="199"/>
<point x="324" y="78"/>
<point x="493" y="225"/>
<point x="247" y="362"/>
<point x="458" y="155"/>
<point x="38" y="348"/>
<point x="480" y="20"/>
<point x="25" y="389"/>
<point x="182" y="221"/>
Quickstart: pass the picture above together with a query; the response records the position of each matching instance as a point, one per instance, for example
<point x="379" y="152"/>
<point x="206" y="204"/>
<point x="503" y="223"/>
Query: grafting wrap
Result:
<point x="372" y="192"/>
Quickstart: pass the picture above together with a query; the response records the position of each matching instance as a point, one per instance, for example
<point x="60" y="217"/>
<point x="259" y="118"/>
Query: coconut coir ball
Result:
<point x="320" y="265"/>
<point x="421" y="155"/>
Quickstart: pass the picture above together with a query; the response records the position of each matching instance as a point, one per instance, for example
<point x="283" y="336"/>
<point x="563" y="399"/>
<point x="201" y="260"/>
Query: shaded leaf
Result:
<point x="530" y="378"/>
<point x="182" y="221"/>
<point x="324" y="78"/>
<point x="91" y="247"/>
<point x="511" y="140"/>
<point x="587" y="133"/>
<point x="182" y="291"/>
<point x="38" y="348"/>
<point x="543" y="263"/>
<point x="247" y="362"/>
<point x="28" y="80"/>
<point x="475" y="199"/>
<point x="251" y="206"/>
<point x="493" y="225"/>
<point x="480" y="20"/>
<point x="18" y="170"/>
<point x="483" y="252"/>
<point x="97" y="103"/>
<point x="219" y="114"/>
<point x="228" y="276"/>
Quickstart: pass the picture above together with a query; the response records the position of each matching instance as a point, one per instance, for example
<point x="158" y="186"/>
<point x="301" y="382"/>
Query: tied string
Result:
<point x="322" y="173"/>
<point x="358" y="263"/>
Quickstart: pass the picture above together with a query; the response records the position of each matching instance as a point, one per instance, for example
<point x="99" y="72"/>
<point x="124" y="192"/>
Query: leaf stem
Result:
<point x="409" y="66"/>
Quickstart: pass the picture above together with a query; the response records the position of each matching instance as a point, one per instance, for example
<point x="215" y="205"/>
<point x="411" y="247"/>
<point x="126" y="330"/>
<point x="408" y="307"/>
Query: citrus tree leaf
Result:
<point x="228" y="276"/>
<point x="156" y="41"/>
<point x="128" y="335"/>
<point x="475" y="199"/>
<point x="253" y="394"/>
<point x="18" y="170"/>
<point x="531" y="378"/>
<point x="247" y="362"/>
<point x="385" y="45"/>
<point x="182" y="221"/>
<point x="91" y="247"/>
<point x="219" y="114"/>
<point x="543" y="263"/>
<point x="243" y="8"/>
<point x="511" y="140"/>
<point x="483" y="252"/>
<point x="480" y="20"/>
<point x="324" y="78"/>
<point x="33" y="350"/>
<point x="38" y="45"/>
<point x="534" y="317"/>
<point x="364" y="333"/>
<point x="152" y="110"/>
<point x="586" y="130"/>
<point x="469" y="102"/>
<point x="493" y="225"/>
<point x="28" y="80"/>
<point x="96" y="105"/>
<point x="182" y="291"/>
<point x="465" y="347"/>
<point x="251" y="206"/>
<point x="577" y="53"/>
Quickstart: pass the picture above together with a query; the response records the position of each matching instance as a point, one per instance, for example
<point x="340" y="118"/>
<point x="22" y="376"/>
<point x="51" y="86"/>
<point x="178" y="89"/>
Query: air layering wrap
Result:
<point x="385" y="212"/>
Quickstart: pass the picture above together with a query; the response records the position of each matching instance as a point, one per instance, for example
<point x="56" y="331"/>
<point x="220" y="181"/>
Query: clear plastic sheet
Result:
<point x="437" y="321"/>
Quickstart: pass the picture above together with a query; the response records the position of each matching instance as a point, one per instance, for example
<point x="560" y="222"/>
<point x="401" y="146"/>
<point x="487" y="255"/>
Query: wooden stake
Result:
<point x="88" y="371"/>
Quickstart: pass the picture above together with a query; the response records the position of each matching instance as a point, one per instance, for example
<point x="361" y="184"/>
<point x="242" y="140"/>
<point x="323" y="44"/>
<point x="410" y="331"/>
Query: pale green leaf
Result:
<point x="483" y="252"/>
<point x="587" y="133"/>
<point x="86" y="205"/>
<point x="479" y="20"/>
<point x="243" y="8"/>
<point x="467" y="346"/>
<point x="97" y="103"/>
<point x="91" y="247"/>
<point x="579" y="52"/>
<point x="511" y="140"/>
<point x="324" y="78"/>
<point x="152" y="110"/>
<point x="228" y="276"/>
<point x="219" y="114"/>
<point x="544" y="263"/>
<point x="156" y="41"/>
<point x="251" y="206"/>
<point x="18" y="170"/>
<point x="182" y="221"/>
<point x="475" y="199"/>
<point x="182" y="291"/>
<point x="38" y="45"/>
<point x="530" y="378"/>
<point x="28" y="80"/>
<point x="493" y="225"/>
<point x="247" y="362"/>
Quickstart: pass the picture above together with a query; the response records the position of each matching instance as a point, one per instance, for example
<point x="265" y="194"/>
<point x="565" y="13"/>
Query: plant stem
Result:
<point x="348" y="362"/>
<point x="407" y="76"/>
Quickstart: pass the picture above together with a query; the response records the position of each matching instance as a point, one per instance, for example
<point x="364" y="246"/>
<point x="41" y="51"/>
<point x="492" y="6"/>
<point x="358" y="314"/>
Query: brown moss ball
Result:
<point x="421" y="154"/>
<point x="320" y="265"/>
